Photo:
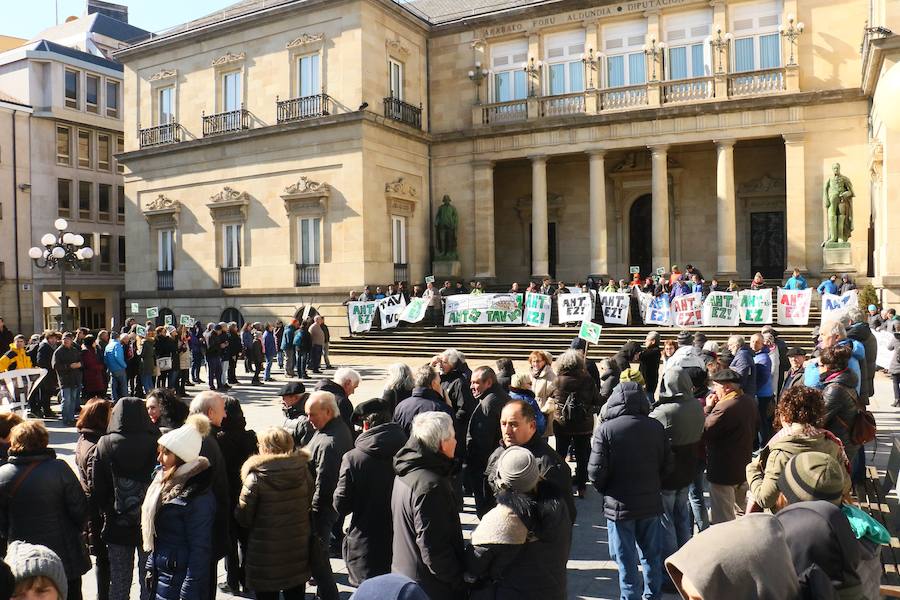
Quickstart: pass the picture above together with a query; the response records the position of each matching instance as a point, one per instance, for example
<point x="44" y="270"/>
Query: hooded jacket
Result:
<point x="682" y="419"/>
<point x="273" y="506"/>
<point x="629" y="456"/>
<point x="364" y="489"/>
<point x="93" y="369"/>
<point x="14" y="359"/>
<point x="127" y="453"/>
<point x="237" y="444"/>
<point x="422" y="400"/>
<point x="862" y="333"/>
<point x="729" y="431"/>
<point x="586" y="391"/>
<point x="428" y="543"/>
<point x="327" y="449"/>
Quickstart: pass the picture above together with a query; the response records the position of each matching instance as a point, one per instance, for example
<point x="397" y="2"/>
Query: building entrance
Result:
<point x="767" y="244"/>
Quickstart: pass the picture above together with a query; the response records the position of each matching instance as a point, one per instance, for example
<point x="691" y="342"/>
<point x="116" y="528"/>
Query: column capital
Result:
<point x="659" y="149"/>
<point x="596" y="152"/>
<point x="793" y="138"/>
<point x="537" y="158"/>
<point x="725" y="143"/>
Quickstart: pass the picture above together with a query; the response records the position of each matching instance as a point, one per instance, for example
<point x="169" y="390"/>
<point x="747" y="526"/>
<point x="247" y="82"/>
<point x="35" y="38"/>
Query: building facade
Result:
<point x="282" y="153"/>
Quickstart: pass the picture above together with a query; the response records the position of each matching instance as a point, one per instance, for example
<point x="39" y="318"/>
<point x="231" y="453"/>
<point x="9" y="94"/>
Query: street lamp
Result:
<point x="61" y="251"/>
<point x="590" y="65"/>
<point x="791" y="32"/>
<point x="720" y="46"/>
<point x="532" y="71"/>
<point x="477" y="75"/>
<point x="655" y="51"/>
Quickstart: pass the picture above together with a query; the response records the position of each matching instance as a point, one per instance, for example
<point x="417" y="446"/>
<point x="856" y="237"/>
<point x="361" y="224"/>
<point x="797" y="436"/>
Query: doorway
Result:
<point x="767" y="244"/>
<point x="640" y="234"/>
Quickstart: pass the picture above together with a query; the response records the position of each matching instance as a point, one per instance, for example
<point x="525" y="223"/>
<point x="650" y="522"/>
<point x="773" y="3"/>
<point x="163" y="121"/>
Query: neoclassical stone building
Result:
<point x="281" y="153"/>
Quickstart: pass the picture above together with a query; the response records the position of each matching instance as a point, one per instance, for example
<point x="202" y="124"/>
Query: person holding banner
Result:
<point x="828" y="286"/>
<point x="432" y="304"/>
<point x="796" y="281"/>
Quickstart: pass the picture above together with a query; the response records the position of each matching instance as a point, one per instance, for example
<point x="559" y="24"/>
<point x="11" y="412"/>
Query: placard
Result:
<point x="720" y="309"/>
<point x="658" y="311"/>
<point x="687" y="310"/>
<point x="389" y="310"/>
<point x="152" y="312"/>
<point x="186" y="320"/>
<point x="480" y="309"/>
<point x="590" y="332"/>
<point x="793" y="306"/>
<point x="634" y="269"/>
<point x="574" y="307"/>
<point x="360" y="315"/>
<point x="537" y="310"/>
<point x="140" y="331"/>
<point x="614" y="307"/>
<point x="135" y="308"/>
<point x="660" y="271"/>
<point x="756" y="306"/>
<point x="414" y="311"/>
<point x="169" y="319"/>
<point x="429" y="279"/>
<point x="835" y="307"/>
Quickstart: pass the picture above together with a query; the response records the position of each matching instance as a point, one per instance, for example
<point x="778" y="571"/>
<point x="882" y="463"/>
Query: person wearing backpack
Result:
<point x="124" y="464"/>
<point x="577" y="400"/>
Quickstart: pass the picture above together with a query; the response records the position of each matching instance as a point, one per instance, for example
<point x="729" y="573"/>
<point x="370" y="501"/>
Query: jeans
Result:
<point x="697" y="500"/>
<point x="280" y="357"/>
<point x="302" y="363"/>
<point x="196" y="363"/>
<point x="315" y="357"/>
<point x="121" y="570"/>
<point x="101" y="572"/>
<point x="582" y="445"/>
<point x="232" y="369"/>
<point x="290" y="357"/>
<point x="631" y="540"/>
<point x="71" y="399"/>
<point x="118" y="384"/>
<point x="765" y="421"/>
<point x="268" y="375"/>
<point x="147" y="383"/>
<point x="320" y="567"/>
<point x="675" y="521"/>
<point x="214" y="371"/>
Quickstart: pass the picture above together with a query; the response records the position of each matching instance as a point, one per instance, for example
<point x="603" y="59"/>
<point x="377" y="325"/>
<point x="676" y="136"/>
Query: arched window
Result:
<point x="232" y="314"/>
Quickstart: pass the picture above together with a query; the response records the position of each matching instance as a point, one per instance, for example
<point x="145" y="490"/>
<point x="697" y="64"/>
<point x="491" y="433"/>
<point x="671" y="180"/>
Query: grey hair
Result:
<point x="736" y="340"/>
<point x="454" y="357"/>
<point x="768" y="338"/>
<point x="423" y="376"/>
<point x="570" y="361"/>
<point x="399" y="377"/>
<point x="711" y="346"/>
<point x="204" y="402"/>
<point x="326" y="399"/>
<point x="346" y="375"/>
<point x="833" y="327"/>
<point x="432" y="428"/>
<point x="856" y="315"/>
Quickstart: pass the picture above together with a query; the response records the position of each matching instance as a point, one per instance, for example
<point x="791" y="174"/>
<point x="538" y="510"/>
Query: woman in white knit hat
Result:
<point x="177" y="516"/>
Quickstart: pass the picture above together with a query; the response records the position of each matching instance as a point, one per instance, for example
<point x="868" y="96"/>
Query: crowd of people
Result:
<point x="719" y="468"/>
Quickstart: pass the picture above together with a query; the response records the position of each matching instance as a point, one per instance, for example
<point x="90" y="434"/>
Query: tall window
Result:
<point x="63" y="145"/>
<point x="103" y="151"/>
<point x="105" y="252"/>
<point x="625" y="60"/>
<point x="121" y="253"/>
<point x="396" y="83"/>
<point x="88" y="264"/>
<point x="757" y="43"/>
<point x="112" y="98"/>
<point x="72" y="89"/>
<point x="120" y="148"/>
<point x="231" y="251"/>
<point x="231" y="91"/>
<point x="84" y="200"/>
<point x="398" y="239"/>
<point x="565" y="71"/>
<point x="64" y="197"/>
<point x="104" y="191"/>
<point x="84" y="148"/>
<point x="120" y="204"/>
<point x="687" y="36"/>
<point x="165" y="108"/>
<point x="309" y="241"/>
<point x="91" y="93"/>
<point x="507" y="61"/>
<point x="166" y="247"/>
<point x="308" y="75"/>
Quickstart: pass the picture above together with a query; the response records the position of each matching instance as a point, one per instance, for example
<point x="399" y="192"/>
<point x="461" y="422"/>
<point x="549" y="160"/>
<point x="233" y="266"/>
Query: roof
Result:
<point x="438" y="12"/>
<point x="94" y="23"/>
<point x="48" y="46"/>
<point x="4" y="97"/>
<point x="7" y="42"/>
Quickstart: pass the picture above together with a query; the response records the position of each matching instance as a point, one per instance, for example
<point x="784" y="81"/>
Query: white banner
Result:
<point x="481" y="309"/>
<point x="414" y="311"/>
<point x="720" y="309"/>
<point x="687" y="310"/>
<point x="793" y="306"/>
<point x="644" y="300"/>
<point x="658" y="311"/>
<point x="835" y="307"/>
<point x="614" y="307"/>
<point x="360" y="315"/>
<point x="389" y="310"/>
<point x="884" y="356"/>
<point x="574" y="307"/>
<point x="756" y="306"/>
<point x="537" y="310"/>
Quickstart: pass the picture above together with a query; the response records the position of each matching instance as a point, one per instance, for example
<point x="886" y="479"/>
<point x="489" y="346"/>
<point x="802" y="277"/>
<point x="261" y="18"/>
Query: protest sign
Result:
<point x="135" y="308"/>
<point x="429" y="279"/>
<point x="687" y="310"/>
<point x="480" y="309"/>
<point x="756" y="307"/>
<point x="884" y="356"/>
<point x="537" y="310"/>
<point x="835" y="307"/>
<point x="186" y="320"/>
<point x="361" y="315"/>
<point x="414" y="311"/>
<point x="389" y="310"/>
<point x="590" y="332"/>
<point x="660" y="271"/>
<point x="153" y="312"/>
<point x="140" y="330"/>
<point x="793" y="306"/>
<point x="169" y="319"/>
<point x="644" y="300"/>
<point x="574" y="307"/>
<point x="634" y="269"/>
<point x="658" y="311"/>
<point x="720" y="309"/>
<point x="614" y="307"/>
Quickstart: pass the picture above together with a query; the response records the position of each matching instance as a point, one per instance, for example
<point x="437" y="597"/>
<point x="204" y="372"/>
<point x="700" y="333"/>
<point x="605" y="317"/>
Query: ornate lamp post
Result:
<point x="791" y="32"/>
<point x="61" y="251"/>
<point x="590" y="65"/>
<point x="720" y="47"/>
<point x="477" y="75"/>
<point x="655" y="51"/>
<point x="532" y="71"/>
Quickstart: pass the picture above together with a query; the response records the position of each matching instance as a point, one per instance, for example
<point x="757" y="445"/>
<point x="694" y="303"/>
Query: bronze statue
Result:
<point x="838" y="195"/>
<point x="445" y="224"/>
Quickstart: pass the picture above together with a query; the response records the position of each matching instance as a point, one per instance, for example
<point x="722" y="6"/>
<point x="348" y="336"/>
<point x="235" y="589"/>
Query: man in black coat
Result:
<point x="794" y="376"/>
<point x="649" y="362"/>
<point x="860" y="331"/>
<point x="48" y="385"/>
<point x="426" y="396"/>
<point x="341" y="386"/>
<point x="293" y="400"/>
<point x="364" y="489"/>
<point x="743" y="364"/>
<point x="483" y="434"/>
<point x="452" y="367"/>
<point x="6" y="335"/>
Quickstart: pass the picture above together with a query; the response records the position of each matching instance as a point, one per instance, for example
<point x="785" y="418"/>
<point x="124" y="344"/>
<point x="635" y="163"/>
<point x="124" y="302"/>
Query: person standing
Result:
<point x="254" y="357"/>
<point x="794" y="377"/>
<point x="278" y="332"/>
<point x="577" y="400"/>
<point x="147" y="353"/>
<point x="114" y="358"/>
<point x="216" y="343"/>
<point x="302" y="347"/>
<point x="543" y="382"/>
<point x="270" y="349"/>
<point x="426" y="397"/>
<point x="6" y="335"/>
<point x="196" y="343"/>
<point x="48" y="387"/>
<point x="796" y="281"/>
<point x="287" y="348"/>
<point x="648" y="363"/>
<point x="765" y="394"/>
<point x="841" y="399"/>
<point x="483" y="435"/>
<point x="325" y="347"/>
<point x="293" y="401"/>
<point x="894" y="367"/>
<point x="342" y="385"/>
<point x="94" y="382"/>
<point x="233" y="352"/>
<point x="67" y="364"/>
<point x="317" y="344"/>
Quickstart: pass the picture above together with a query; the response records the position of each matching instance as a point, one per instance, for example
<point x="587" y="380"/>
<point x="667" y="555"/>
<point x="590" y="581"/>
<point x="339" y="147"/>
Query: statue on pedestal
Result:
<point x="838" y="195"/>
<point x="445" y="224"/>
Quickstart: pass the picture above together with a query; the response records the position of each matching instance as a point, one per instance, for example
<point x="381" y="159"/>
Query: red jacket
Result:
<point x="93" y="367"/>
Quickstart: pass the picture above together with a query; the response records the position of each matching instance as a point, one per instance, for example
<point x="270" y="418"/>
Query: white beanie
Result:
<point x="185" y="441"/>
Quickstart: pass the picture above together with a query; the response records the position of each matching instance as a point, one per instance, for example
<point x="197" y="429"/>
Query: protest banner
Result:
<point x="835" y="307"/>
<point x="186" y="320"/>
<point x="481" y="309"/>
<point x="644" y="301"/>
<point x="884" y="356"/>
<point x="793" y="306"/>
<point x="169" y="319"/>
<point x="756" y="306"/>
<point x="135" y="308"/>
<point x="590" y="332"/>
<point x="140" y="330"/>
<point x="573" y="307"/>
<point x="720" y="309"/>
<point x="614" y="307"/>
<point x="389" y="310"/>
<point x="361" y="315"/>
<point x="414" y="311"/>
<point x="687" y="310"/>
<point x="658" y="311"/>
<point x="152" y="312"/>
<point x="537" y="310"/>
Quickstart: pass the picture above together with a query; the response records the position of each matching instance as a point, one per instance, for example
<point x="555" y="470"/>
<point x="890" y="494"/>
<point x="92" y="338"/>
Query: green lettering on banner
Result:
<point x="754" y="314"/>
<point x="473" y="315"/>
<point x="535" y="301"/>
<point x="415" y="310"/>
<point x="748" y="300"/>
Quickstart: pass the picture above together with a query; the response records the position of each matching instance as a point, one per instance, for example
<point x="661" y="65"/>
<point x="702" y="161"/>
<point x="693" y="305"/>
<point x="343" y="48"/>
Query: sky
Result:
<point x="25" y="18"/>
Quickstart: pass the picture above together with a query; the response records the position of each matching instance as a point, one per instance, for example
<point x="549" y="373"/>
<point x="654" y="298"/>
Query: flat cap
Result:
<point x="292" y="388"/>
<point x="726" y="376"/>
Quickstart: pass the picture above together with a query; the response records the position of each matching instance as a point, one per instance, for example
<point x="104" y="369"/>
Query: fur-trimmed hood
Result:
<point x="518" y="517"/>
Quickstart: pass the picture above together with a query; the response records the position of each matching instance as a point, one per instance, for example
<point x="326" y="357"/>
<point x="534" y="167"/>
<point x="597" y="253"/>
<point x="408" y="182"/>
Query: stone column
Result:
<point x="540" y="260"/>
<point x="597" y="210"/>
<point x="795" y="200"/>
<point x="660" y="189"/>
<point x="485" y="258"/>
<point x="726" y="214"/>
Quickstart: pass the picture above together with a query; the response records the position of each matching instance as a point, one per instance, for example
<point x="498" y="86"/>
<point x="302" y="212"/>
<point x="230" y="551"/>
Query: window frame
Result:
<point x="398" y="66"/>
<point x="104" y="216"/>
<point x="235" y="246"/>
<point x="309" y="243"/>
<point x="67" y="212"/>
<point x="67" y="158"/>
<point x="120" y="204"/>
<point x="572" y="44"/>
<point x="399" y="250"/>
<point x="72" y="102"/>
<point x="89" y="186"/>
<point x="120" y="148"/>
<point x="113" y="111"/>
<point x="105" y="265"/>
<point x="755" y="32"/>
<point x="104" y="159"/>
<point x="169" y="91"/>
<point x="122" y="253"/>
<point x="688" y="31"/>
<point x="88" y="161"/>
<point x="165" y="250"/>
<point x="92" y="107"/>
<point x="506" y="89"/>
<point x="629" y="32"/>
<point x="298" y="62"/>
<point x="224" y="91"/>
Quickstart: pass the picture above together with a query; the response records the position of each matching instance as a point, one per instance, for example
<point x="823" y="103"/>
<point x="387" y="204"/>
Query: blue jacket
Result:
<point x="811" y="370"/>
<point x="246" y="339"/>
<point x="287" y="339"/>
<point x="827" y="287"/>
<point x="114" y="356"/>
<point x="796" y="283"/>
<point x="269" y="347"/>
<point x="744" y="366"/>
<point x="763" y="369"/>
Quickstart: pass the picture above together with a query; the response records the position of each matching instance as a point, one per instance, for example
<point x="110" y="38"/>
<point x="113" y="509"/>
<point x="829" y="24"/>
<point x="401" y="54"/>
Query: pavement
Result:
<point x="591" y="572"/>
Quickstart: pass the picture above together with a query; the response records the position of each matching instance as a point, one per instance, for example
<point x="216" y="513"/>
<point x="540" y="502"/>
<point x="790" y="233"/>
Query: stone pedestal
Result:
<point x="442" y="269"/>
<point x="836" y="258"/>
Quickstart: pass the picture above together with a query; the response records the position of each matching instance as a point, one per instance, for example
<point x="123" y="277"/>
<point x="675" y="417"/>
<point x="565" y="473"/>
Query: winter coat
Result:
<point x="520" y="547"/>
<point x="327" y="449"/>
<point x="235" y="346"/>
<point x="894" y="346"/>
<point x="629" y="456"/>
<point x="287" y="337"/>
<point x="62" y="359"/>
<point x="49" y="507"/>
<point x="863" y="334"/>
<point x="127" y="454"/>
<point x="857" y="364"/>
<point x="729" y="431"/>
<point x="212" y="452"/>
<point x="582" y="385"/>
<point x="7" y="337"/>
<point x="14" y="359"/>
<point x="255" y="353"/>
<point x="297" y="424"/>
<point x="763" y="372"/>
<point x="484" y="426"/>
<point x="85" y="459"/>
<point x="148" y="357"/>
<point x="237" y="445"/>
<point x="344" y="404"/>
<point x="462" y="403"/>
<point x="270" y="347"/>
<point x="166" y="347"/>
<point x="422" y="400"/>
<point x="273" y="507"/>
<point x="841" y="406"/>
<point x="428" y="543"/>
<point x="608" y="380"/>
<point x="679" y="373"/>
<point x="246" y="339"/>
<point x="45" y="361"/>
<point x="649" y="366"/>
<point x="682" y="419"/>
<point x="791" y="379"/>
<point x="394" y="396"/>
<point x="364" y="490"/>
<point x="504" y="378"/>
<point x="743" y="365"/>
<point x="93" y="371"/>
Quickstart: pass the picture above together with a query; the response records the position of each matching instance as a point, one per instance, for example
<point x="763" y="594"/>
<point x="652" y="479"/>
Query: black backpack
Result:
<point x="572" y="410"/>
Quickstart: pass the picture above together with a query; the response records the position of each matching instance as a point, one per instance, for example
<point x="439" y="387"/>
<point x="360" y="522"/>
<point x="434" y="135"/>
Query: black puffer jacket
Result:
<point x="456" y="386"/>
<point x="364" y="489"/>
<point x="128" y="453"/>
<point x="484" y="426"/>
<point x="863" y="334"/>
<point x="85" y="459"/>
<point x="211" y="451"/>
<point x="841" y="406"/>
<point x="344" y="404"/>
<point x="327" y="449"/>
<point x="237" y="444"/>
<point x="49" y="507"/>
<point x="629" y="456"/>
<point x="421" y="400"/>
<point x="583" y="386"/>
<point x="428" y="542"/>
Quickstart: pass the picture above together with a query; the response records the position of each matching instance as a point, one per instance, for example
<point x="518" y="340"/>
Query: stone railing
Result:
<point x="755" y="83"/>
<point x="688" y="90"/>
<point x="231" y="277"/>
<point x="623" y="97"/>
<point x="504" y="112"/>
<point x="563" y="104"/>
<point x="307" y="274"/>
